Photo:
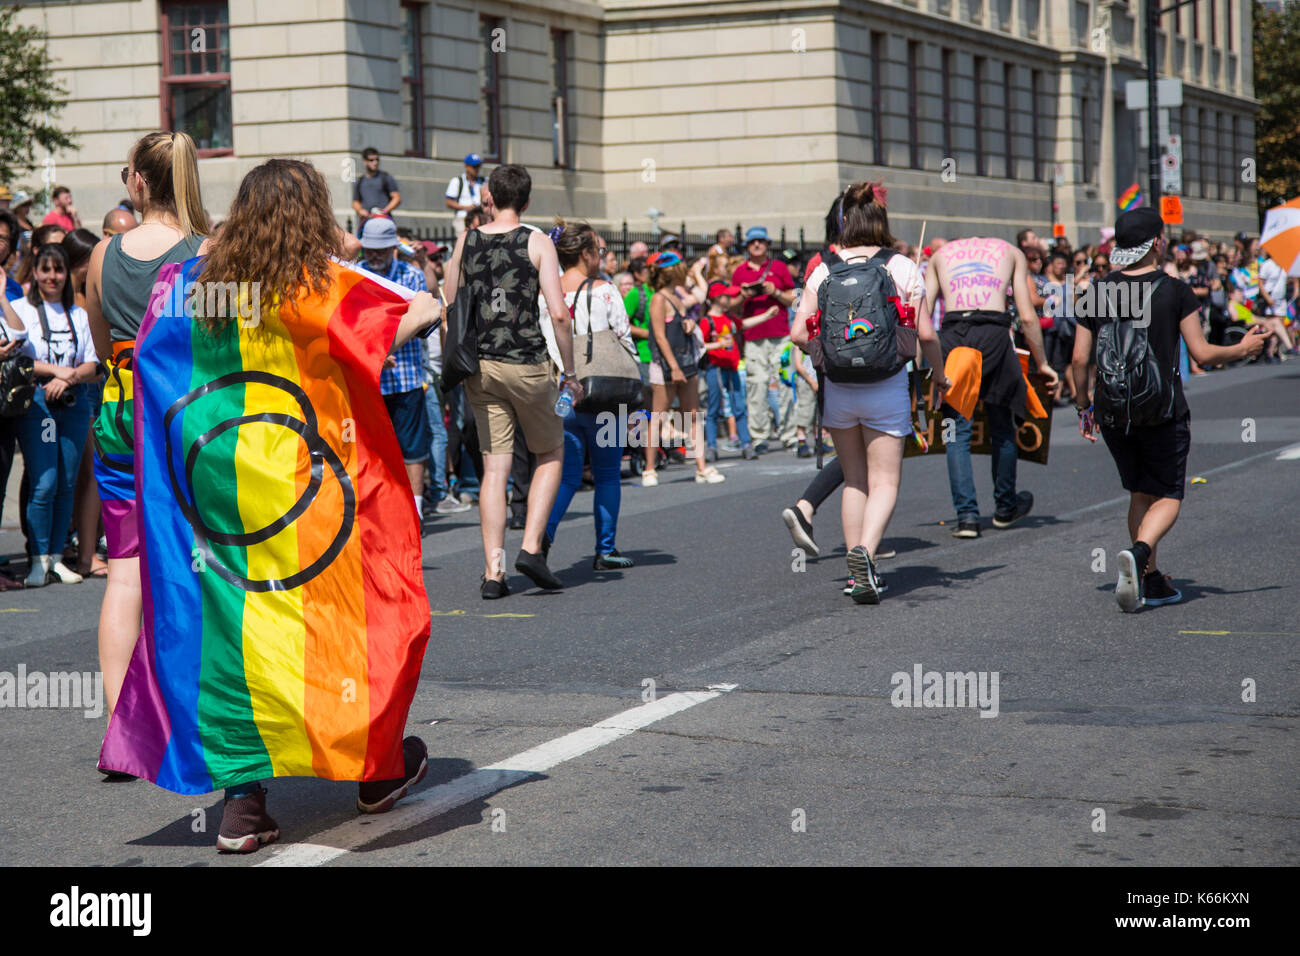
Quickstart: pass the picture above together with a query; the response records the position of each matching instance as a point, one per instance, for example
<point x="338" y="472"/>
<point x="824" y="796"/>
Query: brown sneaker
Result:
<point x="245" y="824"/>
<point x="378" y="796"/>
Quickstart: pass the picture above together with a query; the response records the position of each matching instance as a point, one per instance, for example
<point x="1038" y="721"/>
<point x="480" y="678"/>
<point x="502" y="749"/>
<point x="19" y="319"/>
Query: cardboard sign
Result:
<point x="1171" y="210"/>
<point x="1033" y="438"/>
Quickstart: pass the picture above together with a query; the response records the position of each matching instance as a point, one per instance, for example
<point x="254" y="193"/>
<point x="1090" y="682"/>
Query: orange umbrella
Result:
<point x="1281" y="236"/>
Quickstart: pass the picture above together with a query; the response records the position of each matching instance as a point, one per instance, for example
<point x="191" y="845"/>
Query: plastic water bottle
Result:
<point x="564" y="404"/>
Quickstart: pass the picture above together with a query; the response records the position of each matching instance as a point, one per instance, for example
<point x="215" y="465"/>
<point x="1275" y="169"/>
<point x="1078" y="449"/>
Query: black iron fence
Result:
<point x="620" y="240"/>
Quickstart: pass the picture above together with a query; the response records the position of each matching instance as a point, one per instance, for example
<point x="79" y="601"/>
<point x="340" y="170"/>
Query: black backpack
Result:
<point x="859" y="324"/>
<point x="1132" y="390"/>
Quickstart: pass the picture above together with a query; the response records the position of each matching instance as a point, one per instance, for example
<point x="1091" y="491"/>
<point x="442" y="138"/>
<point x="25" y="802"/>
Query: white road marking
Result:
<point x="485" y="781"/>
<point x="1290" y="454"/>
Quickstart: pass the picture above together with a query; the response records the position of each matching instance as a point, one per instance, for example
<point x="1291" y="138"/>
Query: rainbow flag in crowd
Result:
<point x="285" y="617"/>
<point x="1130" y="198"/>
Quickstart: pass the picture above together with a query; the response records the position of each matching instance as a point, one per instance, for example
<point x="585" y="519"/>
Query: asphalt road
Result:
<point x="1137" y="718"/>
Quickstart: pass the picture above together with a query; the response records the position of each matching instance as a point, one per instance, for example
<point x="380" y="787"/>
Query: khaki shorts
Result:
<point x="505" y="397"/>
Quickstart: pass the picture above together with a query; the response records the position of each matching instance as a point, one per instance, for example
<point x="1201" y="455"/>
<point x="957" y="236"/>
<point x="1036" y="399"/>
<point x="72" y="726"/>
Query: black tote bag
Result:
<point x="460" y="354"/>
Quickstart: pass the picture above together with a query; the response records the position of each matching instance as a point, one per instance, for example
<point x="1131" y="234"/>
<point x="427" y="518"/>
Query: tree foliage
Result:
<point x="1277" y="85"/>
<point x="30" y="98"/>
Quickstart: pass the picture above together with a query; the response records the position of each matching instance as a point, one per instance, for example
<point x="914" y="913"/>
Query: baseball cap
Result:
<point x="668" y="239"/>
<point x="378" y="234"/>
<point x="20" y="198"/>
<point x="433" y="248"/>
<point x="721" y="288"/>
<point x="665" y="259"/>
<point x="473" y="159"/>
<point x="756" y="232"/>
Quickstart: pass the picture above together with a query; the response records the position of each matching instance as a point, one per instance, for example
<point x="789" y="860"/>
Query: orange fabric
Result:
<point x="1033" y="406"/>
<point x="964" y="368"/>
<point x="120" y="347"/>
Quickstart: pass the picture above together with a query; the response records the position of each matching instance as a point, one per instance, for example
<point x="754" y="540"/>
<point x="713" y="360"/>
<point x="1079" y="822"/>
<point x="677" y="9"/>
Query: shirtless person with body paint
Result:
<point x="972" y="276"/>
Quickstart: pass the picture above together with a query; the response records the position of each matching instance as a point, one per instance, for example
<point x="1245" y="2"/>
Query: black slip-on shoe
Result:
<point x="534" y="566"/>
<point x="801" y="530"/>
<point x="611" y="561"/>
<point x="492" y="588"/>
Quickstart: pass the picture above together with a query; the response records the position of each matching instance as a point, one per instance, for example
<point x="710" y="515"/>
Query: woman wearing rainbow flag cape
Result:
<point x="284" y="610"/>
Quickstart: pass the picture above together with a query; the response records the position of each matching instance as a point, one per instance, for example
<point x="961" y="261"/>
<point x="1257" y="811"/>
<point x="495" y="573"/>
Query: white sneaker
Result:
<point x="451" y="506"/>
<point x="709" y="476"/>
<point x="649" y="479"/>
<point x="65" y="573"/>
<point x="38" y="577"/>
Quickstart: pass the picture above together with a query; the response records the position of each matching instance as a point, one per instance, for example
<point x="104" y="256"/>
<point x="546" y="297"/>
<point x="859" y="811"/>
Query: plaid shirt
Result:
<point x="409" y="372"/>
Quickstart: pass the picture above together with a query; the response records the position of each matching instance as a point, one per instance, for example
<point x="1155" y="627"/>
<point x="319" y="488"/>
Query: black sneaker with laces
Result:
<point x="1156" y="590"/>
<point x="378" y="796"/>
<point x="245" y="824"/>
<point x="867" y="586"/>
<point x="1128" y="586"/>
<point x="1024" y="505"/>
<point x="967" y="528"/>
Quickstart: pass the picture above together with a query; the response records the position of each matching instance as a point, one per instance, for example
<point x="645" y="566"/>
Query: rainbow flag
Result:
<point x="285" y="617"/>
<point x="1130" y="198"/>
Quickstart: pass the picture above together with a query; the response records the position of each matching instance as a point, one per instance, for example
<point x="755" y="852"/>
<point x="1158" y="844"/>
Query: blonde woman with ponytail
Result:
<point x="162" y="178"/>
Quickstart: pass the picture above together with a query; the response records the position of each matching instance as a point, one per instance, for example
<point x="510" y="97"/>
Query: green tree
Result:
<point x="1277" y="84"/>
<point x="29" y="98"/>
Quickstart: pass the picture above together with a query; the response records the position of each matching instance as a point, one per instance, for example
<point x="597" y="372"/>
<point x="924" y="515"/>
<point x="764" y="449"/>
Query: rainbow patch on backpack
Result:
<point x="858" y="327"/>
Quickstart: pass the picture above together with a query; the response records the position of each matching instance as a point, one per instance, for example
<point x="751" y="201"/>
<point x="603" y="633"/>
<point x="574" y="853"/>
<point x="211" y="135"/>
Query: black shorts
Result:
<point x="411" y="422"/>
<point x="1152" y="460"/>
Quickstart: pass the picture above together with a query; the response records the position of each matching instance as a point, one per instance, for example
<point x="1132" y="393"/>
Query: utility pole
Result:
<point x="1153" y="145"/>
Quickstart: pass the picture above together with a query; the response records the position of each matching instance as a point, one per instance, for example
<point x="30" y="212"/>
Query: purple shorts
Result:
<point x="121" y="527"/>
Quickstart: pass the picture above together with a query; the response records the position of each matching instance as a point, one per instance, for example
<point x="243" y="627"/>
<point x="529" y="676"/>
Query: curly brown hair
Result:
<point x="280" y="234"/>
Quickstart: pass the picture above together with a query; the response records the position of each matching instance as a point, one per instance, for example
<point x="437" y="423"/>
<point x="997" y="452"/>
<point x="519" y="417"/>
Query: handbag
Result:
<point x="17" y="385"/>
<point x="683" y="346"/>
<point x="460" y="353"/>
<point x="608" y="373"/>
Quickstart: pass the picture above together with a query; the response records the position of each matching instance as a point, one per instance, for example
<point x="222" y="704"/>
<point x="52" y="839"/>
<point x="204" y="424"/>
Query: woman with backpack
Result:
<point x="596" y="307"/>
<point x="870" y="419"/>
<point x="674" y="368"/>
<point x="60" y="345"/>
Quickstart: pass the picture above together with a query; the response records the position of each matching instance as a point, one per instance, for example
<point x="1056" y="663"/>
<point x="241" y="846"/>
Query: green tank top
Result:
<point x="126" y="284"/>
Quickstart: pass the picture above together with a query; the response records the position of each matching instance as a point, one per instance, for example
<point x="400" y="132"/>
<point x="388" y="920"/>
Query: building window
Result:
<point x="1227" y="24"/>
<point x="913" y="103"/>
<point x="1013" y="124"/>
<point x="561" y="148"/>
<point x="412" y="81"/>
<point x="1035" y="91"/>
<point x="945" y="82"/>
<point x="1206" y="155"/>
<point x="1225" y="155"/>
<point x="1231" y="169"/>
<point x="1196" y="24"/>
<point x="491" y="49"/>
<point x="981" y="168"/>
<point x="1085" y="140"/>
<point x="1212" y="21"/>
<point x="877" y="99"/>
<point x="196" y="74"/>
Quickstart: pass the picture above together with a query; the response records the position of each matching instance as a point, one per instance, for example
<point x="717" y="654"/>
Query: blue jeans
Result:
<point x="438" y="447"/>
<point x="52" y="440"/>
<point x="961" y="478"/>
<point x="719" y="379"/>
<point x="580" y="432"/>
<point x="465" y="467"/>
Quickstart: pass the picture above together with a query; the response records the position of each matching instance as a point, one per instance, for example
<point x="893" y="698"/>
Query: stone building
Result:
<point x="971" y="110"/>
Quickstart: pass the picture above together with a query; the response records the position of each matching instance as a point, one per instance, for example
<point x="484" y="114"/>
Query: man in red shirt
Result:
<point x="767" y="292"/>
<point x="64" y="214"/>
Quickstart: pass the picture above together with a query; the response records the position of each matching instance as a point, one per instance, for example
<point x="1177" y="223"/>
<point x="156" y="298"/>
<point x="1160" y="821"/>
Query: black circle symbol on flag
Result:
<point x="320" y="454"/>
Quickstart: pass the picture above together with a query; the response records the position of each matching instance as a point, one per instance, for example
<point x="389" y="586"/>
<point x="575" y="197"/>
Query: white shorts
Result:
<point x="885" y="406"/>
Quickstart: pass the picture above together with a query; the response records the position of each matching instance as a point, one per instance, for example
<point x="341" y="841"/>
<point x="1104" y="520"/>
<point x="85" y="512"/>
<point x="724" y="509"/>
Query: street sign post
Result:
<point x="1171" y="167"/>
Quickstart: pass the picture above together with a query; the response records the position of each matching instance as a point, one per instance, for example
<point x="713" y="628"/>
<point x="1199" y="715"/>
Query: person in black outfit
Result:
<point x="1151" y="459"/>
